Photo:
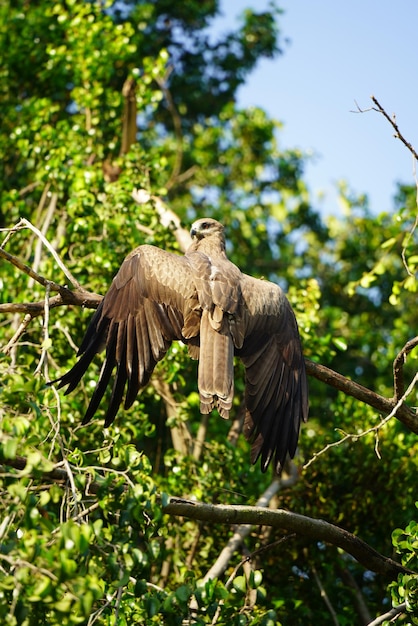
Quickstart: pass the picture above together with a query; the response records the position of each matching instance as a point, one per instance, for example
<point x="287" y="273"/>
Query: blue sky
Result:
<point x="341" y="53"/>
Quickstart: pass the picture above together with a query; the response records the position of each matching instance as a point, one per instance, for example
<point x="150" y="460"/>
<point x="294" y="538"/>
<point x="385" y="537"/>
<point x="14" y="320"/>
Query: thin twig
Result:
<point x="49" y="215"/>
<point x="57" y="259"/>
<point x="392" y="121"/>
<point x="324" y="595"/>
<point x="19" y="332"/>
<point x="24" y="223"/>
<point x="28" y="270"/>
<point x="45" y="340"/>
<point x="398" y="135"/>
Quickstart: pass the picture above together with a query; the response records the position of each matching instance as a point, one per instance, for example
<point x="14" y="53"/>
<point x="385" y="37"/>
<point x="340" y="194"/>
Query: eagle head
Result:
<point x="205" y="227"/>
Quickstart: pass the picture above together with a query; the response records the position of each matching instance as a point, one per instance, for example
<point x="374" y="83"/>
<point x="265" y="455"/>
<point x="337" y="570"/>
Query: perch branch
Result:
<point x="81" y="297"/>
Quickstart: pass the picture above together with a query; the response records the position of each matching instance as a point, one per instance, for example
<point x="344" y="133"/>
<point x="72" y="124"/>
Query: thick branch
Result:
<point x="317" y="530"/>
<point x="404" y="414"/>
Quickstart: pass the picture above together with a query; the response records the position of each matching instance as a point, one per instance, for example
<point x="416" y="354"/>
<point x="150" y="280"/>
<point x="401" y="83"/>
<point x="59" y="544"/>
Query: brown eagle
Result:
<point x="205" y="301"/>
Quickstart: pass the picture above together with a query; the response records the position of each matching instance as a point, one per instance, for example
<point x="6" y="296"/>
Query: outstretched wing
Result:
<point x="151" y="301"/>
<point x="276" y="383"/>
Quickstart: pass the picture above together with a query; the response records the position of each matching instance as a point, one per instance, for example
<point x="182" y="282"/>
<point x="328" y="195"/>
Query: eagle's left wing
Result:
<point x="276" y="383"/>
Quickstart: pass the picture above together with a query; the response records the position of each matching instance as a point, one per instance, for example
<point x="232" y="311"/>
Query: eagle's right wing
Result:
<point x="151" y="301"/>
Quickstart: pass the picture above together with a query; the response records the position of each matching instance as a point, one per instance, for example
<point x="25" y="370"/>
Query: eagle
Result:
<point x="203" y="300"/>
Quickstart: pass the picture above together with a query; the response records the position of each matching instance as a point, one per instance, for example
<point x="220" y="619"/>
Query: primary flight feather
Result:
<point x="204" y="300"/>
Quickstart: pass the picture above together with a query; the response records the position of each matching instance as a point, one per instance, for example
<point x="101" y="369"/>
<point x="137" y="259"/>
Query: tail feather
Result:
<point x="216" y="368"/>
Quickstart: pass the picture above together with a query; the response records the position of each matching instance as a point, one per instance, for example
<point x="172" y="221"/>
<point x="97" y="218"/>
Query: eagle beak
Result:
<point x="194" y="232"/>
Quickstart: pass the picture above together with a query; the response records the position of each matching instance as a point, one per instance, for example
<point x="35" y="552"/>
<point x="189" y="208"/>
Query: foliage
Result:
<point x="405" y="589"/>
<point x="97" y="547"/>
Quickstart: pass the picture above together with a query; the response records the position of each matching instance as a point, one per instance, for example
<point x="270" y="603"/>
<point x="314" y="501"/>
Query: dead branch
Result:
<point x="24" y="223"/>
<point x="392" y="121"/>
<point x="314" y="529"/>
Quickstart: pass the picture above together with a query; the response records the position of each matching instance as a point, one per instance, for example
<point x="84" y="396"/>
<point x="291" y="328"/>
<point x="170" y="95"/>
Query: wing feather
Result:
<point x="276" y="383"/>
<point x="141" y="314"/>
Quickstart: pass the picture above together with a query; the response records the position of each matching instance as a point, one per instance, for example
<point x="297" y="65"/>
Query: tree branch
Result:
<point x="392" y="121"/>
<point x="167" y="217"/>
<point x="243" y="530"/>
<point x="24" y="223"/>
<point x="318" y="530"/>
<point x="403" y="413"/>
<point x="390" y="615"/>
<point x="315" y="529"/>
<point x="398" y="363"/>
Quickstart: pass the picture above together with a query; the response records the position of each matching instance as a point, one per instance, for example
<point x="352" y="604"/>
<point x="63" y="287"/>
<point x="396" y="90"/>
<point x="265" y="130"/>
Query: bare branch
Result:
<point x="28" y="270"/>
<point x="392" y="121"/>
<point x="19" y="332"/>
<point x="398" y="135"/>
<point x="24" y="223"/>
<point x="45" y="341"/>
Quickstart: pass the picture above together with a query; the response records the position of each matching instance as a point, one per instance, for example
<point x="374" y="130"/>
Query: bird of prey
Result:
<point x="205" y="301"/>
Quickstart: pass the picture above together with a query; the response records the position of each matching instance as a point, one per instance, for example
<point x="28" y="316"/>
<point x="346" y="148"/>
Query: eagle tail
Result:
<point x="216" y="367"/>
